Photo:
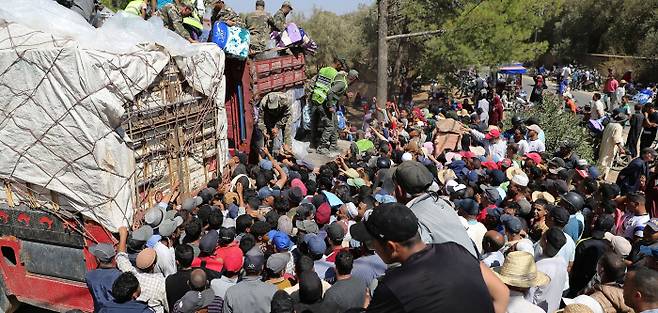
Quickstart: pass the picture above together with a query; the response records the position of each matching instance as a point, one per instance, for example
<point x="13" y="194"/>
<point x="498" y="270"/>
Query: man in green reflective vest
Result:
<point x="326" y="97"/>
<point x="317" y="90"/>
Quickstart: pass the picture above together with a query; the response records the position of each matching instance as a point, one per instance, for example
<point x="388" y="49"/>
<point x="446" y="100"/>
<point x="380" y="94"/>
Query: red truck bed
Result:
<point x="260" y="77"/>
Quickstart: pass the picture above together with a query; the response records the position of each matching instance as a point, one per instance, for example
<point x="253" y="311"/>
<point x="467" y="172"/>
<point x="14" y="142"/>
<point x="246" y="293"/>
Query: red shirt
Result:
<point x="211" y="263"/>
<point x="332" y="256"/>
<point x="611" y="85"/>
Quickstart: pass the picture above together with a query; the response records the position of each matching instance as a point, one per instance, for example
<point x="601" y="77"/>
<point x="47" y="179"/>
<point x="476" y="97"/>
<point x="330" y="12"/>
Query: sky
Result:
<point x="306" y="6"/>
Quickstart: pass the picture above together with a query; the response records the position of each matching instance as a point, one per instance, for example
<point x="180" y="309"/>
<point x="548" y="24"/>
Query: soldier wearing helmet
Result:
<point x="574" y="203"/>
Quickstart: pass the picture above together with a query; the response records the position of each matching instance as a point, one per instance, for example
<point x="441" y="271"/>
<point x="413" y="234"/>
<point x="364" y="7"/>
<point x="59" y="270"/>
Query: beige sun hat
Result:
<point x="543" y="195"/>
<point x="445" y="175"/>
<point x="513" y="171"/>
<point x="575" y="308"/>
<point x="519" y="270"/>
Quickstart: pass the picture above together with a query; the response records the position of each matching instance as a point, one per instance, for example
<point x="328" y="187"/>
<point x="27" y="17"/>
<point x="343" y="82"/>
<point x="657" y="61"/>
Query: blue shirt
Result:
<point x="100" y="282"/>
<point x="126" y="307"/>
<point x="574" y="228"/>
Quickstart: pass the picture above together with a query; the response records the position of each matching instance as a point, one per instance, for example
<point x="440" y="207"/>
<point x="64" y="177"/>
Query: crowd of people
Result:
<point x="398" y="224"/>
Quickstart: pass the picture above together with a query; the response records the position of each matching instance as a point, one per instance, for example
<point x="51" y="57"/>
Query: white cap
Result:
<point x="407" y="156"/>
<point x="585" y="300"/>
<point x="521" y="180"/>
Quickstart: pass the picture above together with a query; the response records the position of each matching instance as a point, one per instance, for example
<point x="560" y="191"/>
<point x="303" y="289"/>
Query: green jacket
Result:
<point x="135" y="7"/>
<point x="173" y="20"/>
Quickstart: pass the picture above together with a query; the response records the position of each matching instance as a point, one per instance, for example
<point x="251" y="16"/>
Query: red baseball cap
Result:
<point x="494" y="133"/>
<point x="299" y="184"/>
<point x="467" y="154"/>
<point x="534" y="156"/>
<point x="490" y="165"/>
<point x="323" y="213"/>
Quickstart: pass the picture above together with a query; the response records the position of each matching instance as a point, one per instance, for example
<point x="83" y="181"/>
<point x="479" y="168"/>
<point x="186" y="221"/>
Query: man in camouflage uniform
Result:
<point x="278" y="21"/>
<point x="259" y="30"/>
<point x="329" y="137"/>
<point x="223" y="13"/>
<point x="173" y="14"/>
<point x="275" y="112"/>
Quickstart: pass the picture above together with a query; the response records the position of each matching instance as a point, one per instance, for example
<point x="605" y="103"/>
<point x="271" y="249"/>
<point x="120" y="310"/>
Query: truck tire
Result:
<point x="8" y="303"/>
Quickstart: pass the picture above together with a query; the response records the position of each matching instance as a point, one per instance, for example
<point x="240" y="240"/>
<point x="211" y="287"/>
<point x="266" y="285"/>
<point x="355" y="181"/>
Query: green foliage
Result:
<point x="481" y="33"/>
<point x="559" y="126"/>
<point x="341" y="35"/>
<point x="593" y="26"/>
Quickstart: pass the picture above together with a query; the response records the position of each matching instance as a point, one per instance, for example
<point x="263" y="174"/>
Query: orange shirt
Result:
<point x="572" y="105"/>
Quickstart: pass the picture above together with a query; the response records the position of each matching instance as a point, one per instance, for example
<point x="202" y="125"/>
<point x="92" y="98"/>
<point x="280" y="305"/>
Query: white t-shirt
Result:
<point x="598" y="110"/>
<point x="523" y="146"/>
<point x="493" y="259"/>
<point x="484" y="105"/>
<point x="166" y="263"/>
<point x="536" y="146"/>
<point x="519" y="304"/>
<point x="634" y="223"/>
<point x="476" y="231"/>
<point x="549" y="296"/>
<point x="567" y="253"/>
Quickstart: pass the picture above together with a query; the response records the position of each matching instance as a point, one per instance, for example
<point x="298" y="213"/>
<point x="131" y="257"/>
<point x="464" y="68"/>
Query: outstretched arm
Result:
<point x="497" y="290"/>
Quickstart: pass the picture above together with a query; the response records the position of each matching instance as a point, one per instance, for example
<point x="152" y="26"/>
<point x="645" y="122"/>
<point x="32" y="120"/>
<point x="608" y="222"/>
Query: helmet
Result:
<point x="383" y="162"/>
<point x="574" y="200"/>
<point x="517" y="120"/>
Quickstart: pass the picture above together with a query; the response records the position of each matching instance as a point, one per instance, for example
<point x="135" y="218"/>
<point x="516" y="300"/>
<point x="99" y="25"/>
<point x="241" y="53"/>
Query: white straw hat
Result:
<point x="519" y="270"/>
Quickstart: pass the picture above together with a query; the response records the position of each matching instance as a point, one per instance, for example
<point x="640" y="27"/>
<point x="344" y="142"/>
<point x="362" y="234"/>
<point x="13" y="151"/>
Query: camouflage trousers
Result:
<point x="324" y="128"/>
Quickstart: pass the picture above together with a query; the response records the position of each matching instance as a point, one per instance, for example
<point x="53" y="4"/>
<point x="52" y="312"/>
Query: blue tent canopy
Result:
<point x="512" y="69"/>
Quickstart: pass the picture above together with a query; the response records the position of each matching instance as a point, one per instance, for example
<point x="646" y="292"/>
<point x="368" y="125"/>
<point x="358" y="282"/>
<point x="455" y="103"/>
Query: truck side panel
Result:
<point x="43" y="258"/>
<point x="43" y="291"/>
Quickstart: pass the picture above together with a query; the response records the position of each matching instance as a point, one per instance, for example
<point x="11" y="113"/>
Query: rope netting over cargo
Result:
<point x="96" y="131"/>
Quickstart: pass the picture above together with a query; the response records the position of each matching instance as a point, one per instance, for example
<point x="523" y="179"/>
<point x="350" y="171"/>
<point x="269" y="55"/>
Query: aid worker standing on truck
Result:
<point x="330" y="88"/>
<point x="317" y="89"/>
<point x="278" y="21"/>
<point x="258" y="27"/>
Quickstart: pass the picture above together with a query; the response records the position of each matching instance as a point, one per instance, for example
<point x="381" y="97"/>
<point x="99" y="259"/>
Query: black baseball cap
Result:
<point x="469" y="206"/>
<point x="389" y="222"/>
<point x="413" y="177"/>
<point x="555" y="239"/>
<point x="559" y="214"/>
<point x="335" y="232"/>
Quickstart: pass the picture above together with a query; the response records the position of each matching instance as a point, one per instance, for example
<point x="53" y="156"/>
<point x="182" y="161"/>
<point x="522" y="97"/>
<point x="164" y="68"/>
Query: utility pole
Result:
<point x="382" y="53"/>
<point x="382" y="58"/>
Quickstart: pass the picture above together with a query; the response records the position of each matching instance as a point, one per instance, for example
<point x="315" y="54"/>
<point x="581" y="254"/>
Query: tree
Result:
<point x="342" y="35"/>
<point x="479" y="32"/>
<point x="560" y="127"/>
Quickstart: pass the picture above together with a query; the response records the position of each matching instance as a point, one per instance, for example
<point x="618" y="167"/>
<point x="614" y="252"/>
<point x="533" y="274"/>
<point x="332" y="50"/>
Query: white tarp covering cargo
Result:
<point x="63" y="89"/>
